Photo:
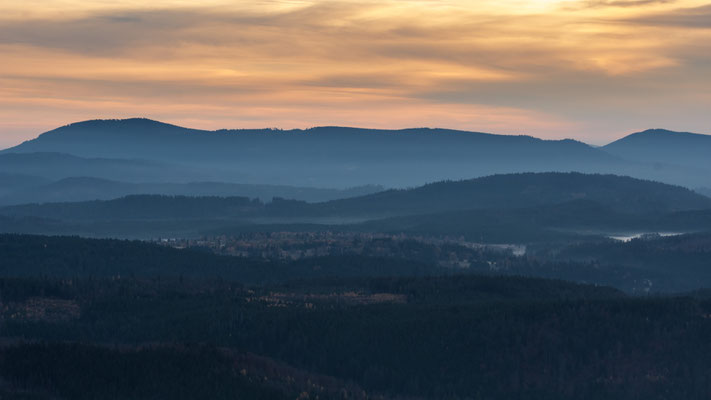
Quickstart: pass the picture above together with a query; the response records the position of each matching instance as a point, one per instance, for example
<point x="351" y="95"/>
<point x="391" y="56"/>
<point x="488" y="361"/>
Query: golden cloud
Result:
<point x="504" y="66"/>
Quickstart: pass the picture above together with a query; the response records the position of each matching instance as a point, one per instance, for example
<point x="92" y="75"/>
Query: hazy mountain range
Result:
<point x="86" y="188"/>
<point x="516" y="208"/>
<point x="146" y="151"/>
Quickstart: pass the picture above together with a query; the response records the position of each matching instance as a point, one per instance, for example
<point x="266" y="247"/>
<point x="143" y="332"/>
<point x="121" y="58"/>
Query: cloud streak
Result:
<point x="685" y="18"/>
<point x="590" y="73"/>
<point x="581" y="5"/>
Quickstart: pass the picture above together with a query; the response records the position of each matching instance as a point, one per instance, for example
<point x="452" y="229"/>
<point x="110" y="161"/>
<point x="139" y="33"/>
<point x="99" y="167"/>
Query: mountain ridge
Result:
<point x="346" y="157"/>
<point x="149" y="128"/>
<point x="322" y="156"/>
<point x="512" y="191"/>
<point x="659" y="133"/>
<point x="161" y="127"/>
<point x="528" y="189"/>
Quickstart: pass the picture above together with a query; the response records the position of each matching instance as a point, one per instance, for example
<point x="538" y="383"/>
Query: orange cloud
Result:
<point x="550" y="68"/>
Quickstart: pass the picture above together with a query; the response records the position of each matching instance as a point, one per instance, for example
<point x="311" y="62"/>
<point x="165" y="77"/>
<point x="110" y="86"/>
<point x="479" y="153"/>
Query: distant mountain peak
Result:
<point x="119" y="121"/>
<point x="653" y="136"/>
<point x="113" y="125"/>
<point x="660" y="132"/>
<point x="666" y="148"/>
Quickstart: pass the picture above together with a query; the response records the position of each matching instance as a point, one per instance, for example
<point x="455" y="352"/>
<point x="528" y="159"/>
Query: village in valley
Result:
<point x="455" y="253"/>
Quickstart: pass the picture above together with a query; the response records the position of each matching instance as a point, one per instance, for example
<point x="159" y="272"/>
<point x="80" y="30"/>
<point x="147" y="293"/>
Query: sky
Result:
<point x="592" y="70"/>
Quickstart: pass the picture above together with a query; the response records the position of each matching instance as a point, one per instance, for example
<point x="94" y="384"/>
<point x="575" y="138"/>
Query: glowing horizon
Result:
<point x="590" y="70"/>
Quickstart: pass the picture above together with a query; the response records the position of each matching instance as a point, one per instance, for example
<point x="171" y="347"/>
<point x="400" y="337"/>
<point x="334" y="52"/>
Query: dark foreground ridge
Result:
<point x="177" y="333"/>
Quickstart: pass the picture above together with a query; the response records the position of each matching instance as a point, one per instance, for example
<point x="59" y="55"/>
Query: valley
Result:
<point x="350" y="274"/>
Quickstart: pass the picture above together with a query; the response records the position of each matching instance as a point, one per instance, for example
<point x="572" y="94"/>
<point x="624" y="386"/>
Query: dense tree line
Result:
<point x="675" y="263"/>
<point x="444" y="337"/>
<point x="645" y="267"/>
<point x="76" y="312"/>
<point x="75" y="371"/>
<point x="614" y="198"/>
<point x="72" y="257"/>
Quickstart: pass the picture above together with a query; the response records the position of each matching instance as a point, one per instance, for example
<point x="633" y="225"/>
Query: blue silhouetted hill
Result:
<point x="346" y="157"/>
<point x="10" y="182"/>
<point x="662" y="146"/>
<point x="55" y="166"/>
<point x="514" y="191"/>
<point x="143" y="138"/>
<point x="323" y="156"/>
<point x="14" y="190"/>
<point x="619" y="193"/>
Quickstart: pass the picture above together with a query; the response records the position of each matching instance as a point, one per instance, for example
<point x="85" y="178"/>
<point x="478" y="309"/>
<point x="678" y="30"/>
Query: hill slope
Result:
<point x="323" y="156"/>
<point x="10" y="183"/>
<point x="664" y="147"/>
<point x="54" y="166"/>
<point x="144" y="138"/>
<point x="347" y="157"/>
<point x="86" y="189"/>
<point x="622" y="194"/>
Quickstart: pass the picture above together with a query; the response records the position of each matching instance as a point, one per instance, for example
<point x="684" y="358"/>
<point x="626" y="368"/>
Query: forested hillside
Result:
<point x="452" y="337"/>
<point x="619" y="194"/>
